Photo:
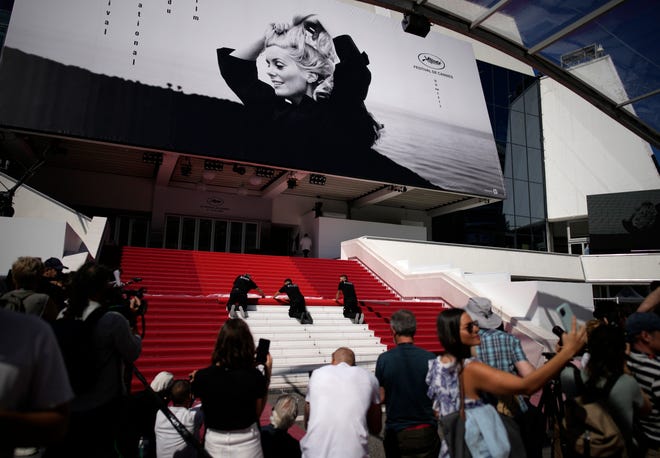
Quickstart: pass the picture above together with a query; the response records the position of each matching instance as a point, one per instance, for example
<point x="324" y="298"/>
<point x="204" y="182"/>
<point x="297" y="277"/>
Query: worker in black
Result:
<point x="351" y="308"/>
<point x="296" y="298"/>
<point x="238" y="296"/>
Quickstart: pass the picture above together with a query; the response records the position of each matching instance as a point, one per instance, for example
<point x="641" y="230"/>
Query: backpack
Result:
<point x="24" y="301"/>
<point x="589" y="428"/>
<point x="11" y="301"/>
<point x="75" y="339"/>
<point x="306" y="318"/>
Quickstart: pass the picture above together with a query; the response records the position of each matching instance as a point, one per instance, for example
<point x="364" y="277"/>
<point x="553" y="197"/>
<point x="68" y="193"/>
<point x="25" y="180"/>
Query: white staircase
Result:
<point x="298" y="349"/>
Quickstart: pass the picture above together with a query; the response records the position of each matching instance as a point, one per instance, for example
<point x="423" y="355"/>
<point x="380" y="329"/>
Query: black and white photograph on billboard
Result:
<point x="324" y="86"/>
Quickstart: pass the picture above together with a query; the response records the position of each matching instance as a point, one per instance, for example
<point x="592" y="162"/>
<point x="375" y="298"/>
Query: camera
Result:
<point x="119" y="300"/>
<point x="139" y="293"/>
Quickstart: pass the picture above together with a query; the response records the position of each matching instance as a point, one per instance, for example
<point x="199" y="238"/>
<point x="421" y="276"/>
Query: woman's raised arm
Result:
<point x="252" y="50"/>
<point x="478" y="377"/>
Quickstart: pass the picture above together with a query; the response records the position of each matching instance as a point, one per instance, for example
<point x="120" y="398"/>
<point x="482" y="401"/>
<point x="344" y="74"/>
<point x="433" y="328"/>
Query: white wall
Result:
<point x="83" y="233"/>
<point x="586" y="152"/>
<point x="640" y="268"/>
<point x="29" y="237"/>
<point x="434" y="256"/>
<point x="332" y="231"/>
<point x="536" y="301"/>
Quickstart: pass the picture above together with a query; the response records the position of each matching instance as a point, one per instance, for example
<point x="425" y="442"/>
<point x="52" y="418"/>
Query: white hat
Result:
<point x="162" y="381"/>
<point x="481" y="310"/>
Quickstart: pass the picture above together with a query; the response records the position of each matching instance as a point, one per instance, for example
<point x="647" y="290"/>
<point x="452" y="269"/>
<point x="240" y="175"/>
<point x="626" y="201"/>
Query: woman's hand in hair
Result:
<point x="278" y="27"/>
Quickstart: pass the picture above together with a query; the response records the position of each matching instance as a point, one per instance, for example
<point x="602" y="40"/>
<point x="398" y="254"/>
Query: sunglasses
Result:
<point x="472" y="326"/>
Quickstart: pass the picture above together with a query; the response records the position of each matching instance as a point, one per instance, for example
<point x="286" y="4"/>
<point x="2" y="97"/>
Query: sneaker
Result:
<point x="232" y="311"/>
<point x="243" y="312"/>
<point x="361" y="319"/>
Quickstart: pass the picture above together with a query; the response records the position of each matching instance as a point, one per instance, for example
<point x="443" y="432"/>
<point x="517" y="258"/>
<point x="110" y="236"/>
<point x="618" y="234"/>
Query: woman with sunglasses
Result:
<point x="456" y="371"/>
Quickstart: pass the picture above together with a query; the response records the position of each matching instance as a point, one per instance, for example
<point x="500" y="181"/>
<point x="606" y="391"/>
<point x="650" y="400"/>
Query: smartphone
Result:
<point x="566" y="315"/>
<point x="262" y="351"/>
<point x="559" y="332"/>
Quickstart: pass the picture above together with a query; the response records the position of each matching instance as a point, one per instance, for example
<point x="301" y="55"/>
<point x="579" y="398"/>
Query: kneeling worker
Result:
<point x="351" y="308"/>
<point x="297" y="307"/>
<point x="238" y="296"/>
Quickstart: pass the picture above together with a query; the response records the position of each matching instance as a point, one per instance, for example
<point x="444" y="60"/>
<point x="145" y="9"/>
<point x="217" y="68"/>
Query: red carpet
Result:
<point x="184" y="315"/>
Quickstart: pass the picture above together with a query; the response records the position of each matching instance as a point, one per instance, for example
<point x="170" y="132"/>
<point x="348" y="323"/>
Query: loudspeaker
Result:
<point x="416" y="24"/>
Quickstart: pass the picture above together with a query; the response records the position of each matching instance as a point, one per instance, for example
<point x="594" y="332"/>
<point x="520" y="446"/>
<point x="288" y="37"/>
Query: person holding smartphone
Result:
<point x="233" y="392"/>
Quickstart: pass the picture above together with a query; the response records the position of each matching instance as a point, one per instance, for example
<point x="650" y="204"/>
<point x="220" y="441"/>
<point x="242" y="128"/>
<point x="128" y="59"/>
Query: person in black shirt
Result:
<point x="238" y="296"/>
<point x="351" y="308"/>
<point x="296" y="299"/>
<point x="234" y="392"/>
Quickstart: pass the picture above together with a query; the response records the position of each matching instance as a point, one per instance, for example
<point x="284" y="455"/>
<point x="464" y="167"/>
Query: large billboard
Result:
<point x="624" y="222"/>
<point x="316" y="85"/>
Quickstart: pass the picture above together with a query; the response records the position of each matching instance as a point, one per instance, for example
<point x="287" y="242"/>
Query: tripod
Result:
<point x="552" y="406"/>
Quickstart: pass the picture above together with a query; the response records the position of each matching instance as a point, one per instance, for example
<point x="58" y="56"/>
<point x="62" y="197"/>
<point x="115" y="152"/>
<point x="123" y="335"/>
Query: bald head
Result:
<point x="343" y="355"/>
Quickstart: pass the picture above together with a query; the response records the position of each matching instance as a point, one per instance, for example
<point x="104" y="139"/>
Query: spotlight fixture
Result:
<point x="291" y="183"/>
<point x="317" y="179"/>
<point x="208" y="175"/>
<point x="416" y="24"/>
<point x="255" y="180"/>
<point x="264" y="172"/>
<point x="215" y="166"/>
<point x="242" y="190"/>
<point x="186" y="167"/>
<point x="239" y="169"/>
<point x="152" y="158"/>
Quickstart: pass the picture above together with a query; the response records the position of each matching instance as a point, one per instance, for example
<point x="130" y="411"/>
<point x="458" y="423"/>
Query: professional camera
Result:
<point x="128" y="293"/>
<point x="119" y="300"/>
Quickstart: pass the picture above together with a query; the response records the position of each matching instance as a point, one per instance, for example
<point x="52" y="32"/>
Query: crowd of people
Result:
<point x="473" y="396"/>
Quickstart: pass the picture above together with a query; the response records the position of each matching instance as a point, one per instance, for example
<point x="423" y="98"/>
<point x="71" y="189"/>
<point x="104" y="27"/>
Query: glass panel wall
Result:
<point x="513" y="103"/>
<point x="203" y="234"/>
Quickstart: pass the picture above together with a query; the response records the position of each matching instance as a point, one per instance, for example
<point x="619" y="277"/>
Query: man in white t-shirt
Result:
<point x="306" y="245"/>
<point x="168" y="441"/>
<point x="342" y="408"/>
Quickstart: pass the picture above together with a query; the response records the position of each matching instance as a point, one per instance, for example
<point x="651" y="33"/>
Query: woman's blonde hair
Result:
<point x="311" y="47"/>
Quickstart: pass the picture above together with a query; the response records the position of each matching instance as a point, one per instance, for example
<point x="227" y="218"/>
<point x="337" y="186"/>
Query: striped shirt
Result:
<point x="646" y="371"/>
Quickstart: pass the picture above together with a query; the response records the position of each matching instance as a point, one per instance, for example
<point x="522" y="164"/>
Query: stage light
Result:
<point x="239" y="169"/>
<point x="215" y="166"/>
<point x="264" y="172"/>
<point x="186" y="167"/>
<point x="416" y="24"/>
<point x="317" y="179"/>
<point x="208" y="175"/>
<point x="255" y="180"/>
<point x="152" y="158"/>
<point x="291" y="183"/>
<point x="242" y="190"/>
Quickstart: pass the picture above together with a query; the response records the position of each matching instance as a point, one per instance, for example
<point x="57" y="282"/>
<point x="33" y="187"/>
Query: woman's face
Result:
<point x="287" y="78"/>
<point x="469" y="331"/>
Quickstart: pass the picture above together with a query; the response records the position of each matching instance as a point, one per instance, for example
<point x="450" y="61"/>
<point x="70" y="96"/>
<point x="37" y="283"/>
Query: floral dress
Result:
<point x="444" y="390"/>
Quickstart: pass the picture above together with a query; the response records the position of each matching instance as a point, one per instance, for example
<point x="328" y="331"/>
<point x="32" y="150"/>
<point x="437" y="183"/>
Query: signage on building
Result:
<point x="624" y="222"/>
<point x="363" y="99"/>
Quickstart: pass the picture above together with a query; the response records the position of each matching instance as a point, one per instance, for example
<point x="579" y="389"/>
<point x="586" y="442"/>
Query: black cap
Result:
<point x="54" y="263"/>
